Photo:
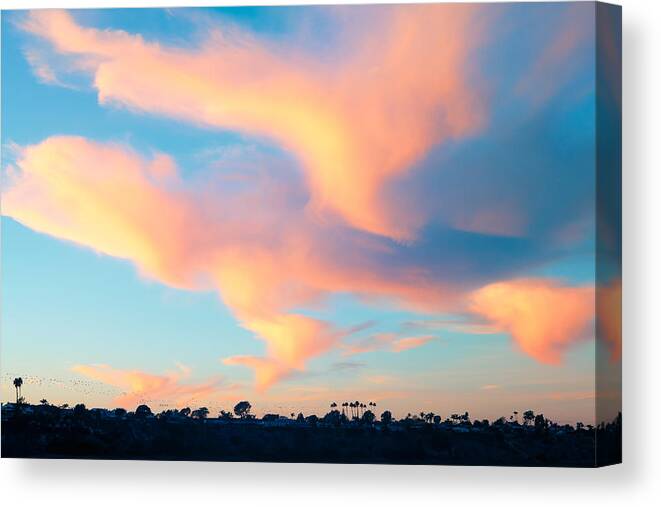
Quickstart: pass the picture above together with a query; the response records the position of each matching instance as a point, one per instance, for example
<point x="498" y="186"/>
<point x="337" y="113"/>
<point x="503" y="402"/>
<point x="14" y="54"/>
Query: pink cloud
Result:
<point x="408" y="85"/>
<point x="386" y="341"/>
<point x="141" y="387"/>
<point x="263" y="261"/>
<point x="410" y="342"/>
<point x="406" y="79"/>
<point x="609" y="316"/>
<point x="499" y="220"/>
<point x="554" y="65"/>
<point x="40" y="67"/>
<point x="543" y="317"/>
<point x="490" y="387"/>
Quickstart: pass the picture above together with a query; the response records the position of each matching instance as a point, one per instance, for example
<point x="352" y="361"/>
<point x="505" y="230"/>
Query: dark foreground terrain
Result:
<point x="56" y="433"/>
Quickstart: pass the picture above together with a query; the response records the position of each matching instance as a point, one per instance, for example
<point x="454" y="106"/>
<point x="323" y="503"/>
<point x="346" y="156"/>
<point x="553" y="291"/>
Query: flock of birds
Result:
<point x="38" y="387"/>
<point x="80" y="387"/>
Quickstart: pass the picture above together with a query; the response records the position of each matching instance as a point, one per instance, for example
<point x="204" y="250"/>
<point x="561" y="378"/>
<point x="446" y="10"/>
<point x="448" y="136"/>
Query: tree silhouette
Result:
<point x="528" y="417"/>
<point x="143" y="411"/>
<point x="185" y="411"/>
<point x="541" y="423"/>
<point x="368" y="417"/>
<point x="242" y="409"/>
<point x="44" y="401"/>
<point x="386" y="417"/>
<point x="18" y="382"/>
<point x="200" y="413"/>
<point x="79" y="410"/>
<point x="334" y="418"/>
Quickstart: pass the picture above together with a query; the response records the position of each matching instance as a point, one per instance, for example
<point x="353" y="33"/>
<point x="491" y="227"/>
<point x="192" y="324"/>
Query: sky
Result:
<point x="303" y="205"/>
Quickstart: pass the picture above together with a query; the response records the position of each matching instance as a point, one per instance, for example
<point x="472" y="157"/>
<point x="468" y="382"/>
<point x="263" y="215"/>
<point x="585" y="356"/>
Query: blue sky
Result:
<point x="264" y="263"/>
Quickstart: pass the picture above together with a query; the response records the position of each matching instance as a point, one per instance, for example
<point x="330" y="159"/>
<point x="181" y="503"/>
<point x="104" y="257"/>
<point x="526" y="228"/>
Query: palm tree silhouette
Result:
<point x="18" y="382"/>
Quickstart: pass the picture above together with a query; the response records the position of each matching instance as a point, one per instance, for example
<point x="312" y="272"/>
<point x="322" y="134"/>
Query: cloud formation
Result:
<point x="406" y="79"/>
<point x="609" y="316"/>
<point x="140" y="387"/>
<point x="190" y="236"/>
<point x="275" y="245"/>
<point x="386" y="341"/>
<point x="544" y="318"/>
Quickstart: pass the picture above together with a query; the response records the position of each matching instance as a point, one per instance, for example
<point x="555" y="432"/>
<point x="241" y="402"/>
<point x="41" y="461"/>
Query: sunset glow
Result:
<point x="304" y="205"/>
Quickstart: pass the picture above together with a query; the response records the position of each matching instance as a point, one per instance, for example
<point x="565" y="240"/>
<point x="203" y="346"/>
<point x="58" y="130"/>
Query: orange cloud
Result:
<point x="140" y="387"/>
<point x="405" y="79"/>
<point x="291" y="340"/>
<point x="387" y="341"/>
<point x="267" y="370"/>
<point x="609" y="317"/>
<point x="410" y="342"/>
<point x="264" y="261"/>
<point x="122" y="208"/>
<point x="543" y="317"/>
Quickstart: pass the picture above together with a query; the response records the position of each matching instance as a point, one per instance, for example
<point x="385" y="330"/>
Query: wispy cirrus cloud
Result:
<point x="490" y="387"/>
<point x="386" y="341"/>
<point x="467" y="323"/>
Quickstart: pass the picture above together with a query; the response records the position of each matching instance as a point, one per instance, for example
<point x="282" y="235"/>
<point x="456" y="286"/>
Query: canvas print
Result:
<point x="384" y="234"/>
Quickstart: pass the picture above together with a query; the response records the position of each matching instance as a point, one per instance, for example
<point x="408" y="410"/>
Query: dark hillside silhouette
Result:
<point x="350" y="435"/>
